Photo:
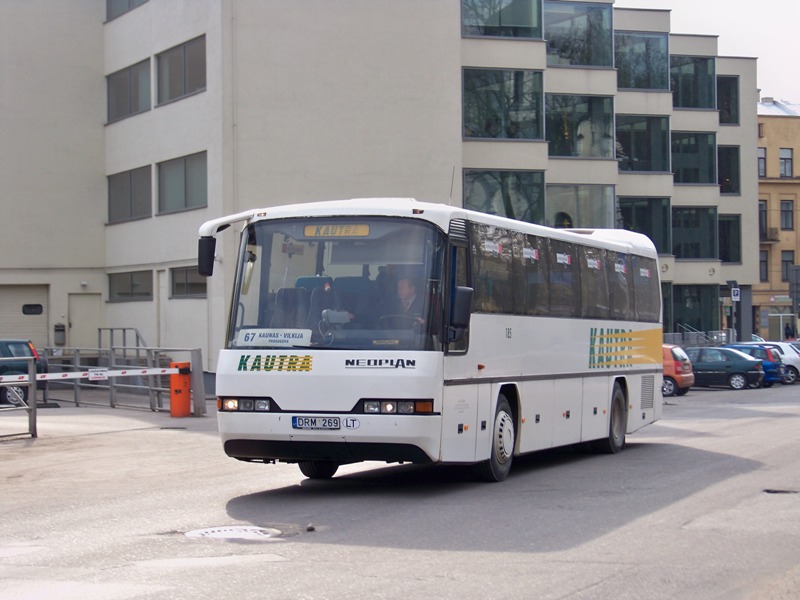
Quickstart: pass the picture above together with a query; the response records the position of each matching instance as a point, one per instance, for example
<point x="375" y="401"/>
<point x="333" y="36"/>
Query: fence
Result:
<point x="20" y="392"/>
<point x="687" y="336"/>
<point x="130" y="370"/>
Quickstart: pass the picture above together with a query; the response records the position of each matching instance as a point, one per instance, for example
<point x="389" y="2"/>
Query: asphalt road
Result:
<point x="126" y="504"/>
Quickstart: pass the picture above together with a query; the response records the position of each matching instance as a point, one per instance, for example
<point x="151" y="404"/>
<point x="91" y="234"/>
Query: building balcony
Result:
<point x="769" y="235"/>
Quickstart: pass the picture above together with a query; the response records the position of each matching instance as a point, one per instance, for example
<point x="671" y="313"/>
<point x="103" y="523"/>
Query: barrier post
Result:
<point x="180" y="396"/>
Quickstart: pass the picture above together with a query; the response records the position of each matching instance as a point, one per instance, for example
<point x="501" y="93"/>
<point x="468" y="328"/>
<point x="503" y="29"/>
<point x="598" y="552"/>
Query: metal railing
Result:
<point x="126" y="372"/>
<point x="689" y="336"/>
<point x="21" y="401"/>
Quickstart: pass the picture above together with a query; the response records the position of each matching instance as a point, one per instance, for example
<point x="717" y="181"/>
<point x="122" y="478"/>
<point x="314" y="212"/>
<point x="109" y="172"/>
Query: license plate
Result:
<point x="316" y="423"/>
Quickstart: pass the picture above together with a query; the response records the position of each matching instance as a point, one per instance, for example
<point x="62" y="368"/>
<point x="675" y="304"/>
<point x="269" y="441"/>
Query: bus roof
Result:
<point x="440" y="214"/>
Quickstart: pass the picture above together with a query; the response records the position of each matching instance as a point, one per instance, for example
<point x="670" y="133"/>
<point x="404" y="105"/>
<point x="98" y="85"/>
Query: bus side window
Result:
<point x="458" y="277"/>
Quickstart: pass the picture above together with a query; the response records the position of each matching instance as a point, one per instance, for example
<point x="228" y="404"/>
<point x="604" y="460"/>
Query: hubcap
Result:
<point x="503" y="437"/>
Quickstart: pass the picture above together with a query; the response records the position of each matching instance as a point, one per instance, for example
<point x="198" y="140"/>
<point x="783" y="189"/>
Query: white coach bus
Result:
<point x="401" y="331"/>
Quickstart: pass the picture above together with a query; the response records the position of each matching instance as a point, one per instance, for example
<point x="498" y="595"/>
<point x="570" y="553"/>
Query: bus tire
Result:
<point x="617" y="424"/>
<point x="502" y="453"/>
<point x="318" y="469"/>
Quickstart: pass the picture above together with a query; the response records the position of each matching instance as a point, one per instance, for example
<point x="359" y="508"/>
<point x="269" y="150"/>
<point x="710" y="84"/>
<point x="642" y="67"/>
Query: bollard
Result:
<point x="180" y="400"/>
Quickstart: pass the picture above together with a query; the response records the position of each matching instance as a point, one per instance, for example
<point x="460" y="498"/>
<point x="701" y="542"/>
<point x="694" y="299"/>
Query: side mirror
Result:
<point x="206" y="248"/>
<point x="460" y="313"/>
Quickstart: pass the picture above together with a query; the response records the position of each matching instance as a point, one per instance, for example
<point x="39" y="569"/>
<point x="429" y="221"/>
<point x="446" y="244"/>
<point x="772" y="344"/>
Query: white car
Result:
<point x="790" y="355"/>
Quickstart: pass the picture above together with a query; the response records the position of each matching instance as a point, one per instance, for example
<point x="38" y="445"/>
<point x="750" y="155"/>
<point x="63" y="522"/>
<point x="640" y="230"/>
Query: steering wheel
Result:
<point x="400" y="321"/>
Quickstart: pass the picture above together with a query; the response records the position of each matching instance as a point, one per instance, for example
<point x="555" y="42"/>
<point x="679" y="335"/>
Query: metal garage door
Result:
<point x="23" y="313"/>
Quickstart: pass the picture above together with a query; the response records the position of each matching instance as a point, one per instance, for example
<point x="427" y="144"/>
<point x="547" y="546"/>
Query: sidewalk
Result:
<point x="59" y="417"/>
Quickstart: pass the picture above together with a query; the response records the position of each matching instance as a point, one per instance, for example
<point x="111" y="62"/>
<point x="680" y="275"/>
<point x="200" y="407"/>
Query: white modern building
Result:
<point x="125" y="124"/>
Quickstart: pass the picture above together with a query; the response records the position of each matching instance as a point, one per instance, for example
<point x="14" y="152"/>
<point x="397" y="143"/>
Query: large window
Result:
<point x="133" y="285"/>
<point x="762" y="220"/>
<point x="729" y="170"/>
<point x="187" y="283"/>
<point x="728" y="99"/>
<point x="502" y="18"/>
<point x="115" y="8"/>
<point x="129" y="195"/>
<point x="693" y="82"/>
<point x="503" y="104"/>
<point x="182" y="70"/>
<point x="514" y="194"/>
<point x="787" y="215"/>
<point x="128" y="91"/>
<point x="590" y="206"/>
<point x="696" y="306"/>
<point x="650" y="216"/>
<point x="578" y="34"/>
<point x="694" y="232"/>
<point x="730" y="238"/>
<point x="787" y="262"/>
<point x="694" y="157"/>
<point x="785" y="158"/>
<point x="182" y="183"/>
<point x="580" y="125"/>
<point x="643" y="143"/>
<point x="762" y="162"/>
<point x="642" y="60"/>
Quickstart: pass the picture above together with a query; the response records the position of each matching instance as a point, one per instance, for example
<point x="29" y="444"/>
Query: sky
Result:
<point x="766" y="29"/>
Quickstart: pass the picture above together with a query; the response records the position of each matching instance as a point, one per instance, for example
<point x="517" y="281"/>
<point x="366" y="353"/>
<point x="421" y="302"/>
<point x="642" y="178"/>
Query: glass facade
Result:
<point x="650" y="216"/>
<point x="590" y="206"/>
<point x="728" y="99"/>
<point x="730" y="238"/>
<point x="643" y="143"/>
<point x="502" y="18"/>
<point x="642" y="60"/>
<point x="503" y="104"/>
<point x="694" y="232"/>
<point x="694" y="157"/>
<point x="578" y="34"/>
<point x="693" y="82"/>
<point x="514" y="194"/>
<point x="729" y="171"/>
<point x="580" y="125"/>
<point x="696" y="306"/>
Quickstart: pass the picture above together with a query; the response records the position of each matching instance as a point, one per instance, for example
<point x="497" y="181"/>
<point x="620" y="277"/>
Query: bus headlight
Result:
<point x="231" y="404"/>
<point x="244" y="404"/>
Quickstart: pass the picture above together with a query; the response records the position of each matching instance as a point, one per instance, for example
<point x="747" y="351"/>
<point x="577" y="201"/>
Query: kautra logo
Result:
<point x="610" y="348"/>
<point x="272" y="362"/>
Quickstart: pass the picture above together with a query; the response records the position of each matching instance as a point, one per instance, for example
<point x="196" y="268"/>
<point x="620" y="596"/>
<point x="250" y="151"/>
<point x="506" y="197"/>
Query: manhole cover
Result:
<point x="235" y="532"/>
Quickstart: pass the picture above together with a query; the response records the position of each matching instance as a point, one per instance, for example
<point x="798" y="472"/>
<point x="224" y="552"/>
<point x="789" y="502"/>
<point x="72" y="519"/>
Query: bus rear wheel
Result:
<point x="617" y="424"/>
<point x="318" y="469"/>
<point x="503" y="437"/>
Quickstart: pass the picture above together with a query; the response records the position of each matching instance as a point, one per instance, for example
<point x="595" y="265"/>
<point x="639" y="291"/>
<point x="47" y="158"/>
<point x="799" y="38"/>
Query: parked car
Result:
<point x="11" y="348"/>
<point x="724" y="366"/>
<point x="774" y="369"/>
<point x="678" y="375"/>
<point x="790" y="355"/>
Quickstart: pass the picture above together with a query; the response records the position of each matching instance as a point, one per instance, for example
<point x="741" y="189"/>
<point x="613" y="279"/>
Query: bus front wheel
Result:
<point x="318" y="469"/>
<point x="503" y="436"/>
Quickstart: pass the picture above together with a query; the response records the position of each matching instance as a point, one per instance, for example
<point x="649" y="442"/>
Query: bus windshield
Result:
<point x="338" y="283"/>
